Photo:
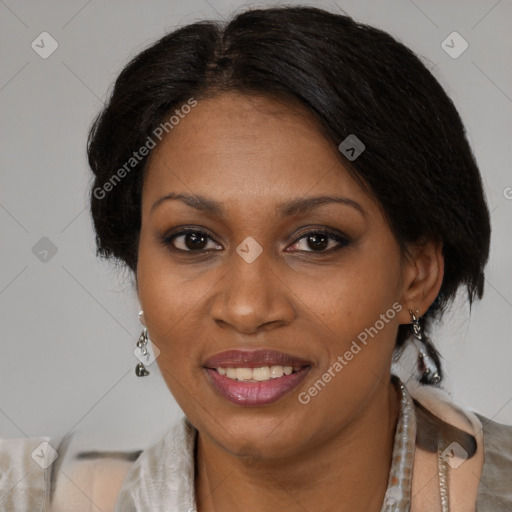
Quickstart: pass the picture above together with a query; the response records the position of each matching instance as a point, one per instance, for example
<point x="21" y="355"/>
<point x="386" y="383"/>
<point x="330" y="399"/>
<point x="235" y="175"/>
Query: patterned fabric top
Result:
<point x="162" y="477"/>
<point x="398" y="494"/>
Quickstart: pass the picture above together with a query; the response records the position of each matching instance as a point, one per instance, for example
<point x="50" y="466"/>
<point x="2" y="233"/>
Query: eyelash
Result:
<point x="343" y="241"/>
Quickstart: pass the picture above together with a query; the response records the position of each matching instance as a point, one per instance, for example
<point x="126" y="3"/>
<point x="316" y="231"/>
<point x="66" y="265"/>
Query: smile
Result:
<point x="260" y="374"/>
<point x="256" y="386"/>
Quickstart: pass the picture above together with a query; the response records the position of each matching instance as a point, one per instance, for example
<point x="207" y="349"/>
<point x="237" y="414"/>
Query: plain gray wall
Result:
<point x="69" y="325"/>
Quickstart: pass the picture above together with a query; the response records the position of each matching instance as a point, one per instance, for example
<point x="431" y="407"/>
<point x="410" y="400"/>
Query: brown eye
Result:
<point x="318" y="241"/>
<point x="189" y="241"/>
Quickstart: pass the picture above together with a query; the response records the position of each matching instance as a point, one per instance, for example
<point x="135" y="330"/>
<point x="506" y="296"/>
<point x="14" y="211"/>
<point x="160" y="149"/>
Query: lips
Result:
<point x="254" y="359"/>
<point x="250" y="392"/>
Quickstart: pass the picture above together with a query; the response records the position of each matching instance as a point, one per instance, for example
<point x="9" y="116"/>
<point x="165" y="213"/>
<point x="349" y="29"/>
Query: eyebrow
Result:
<point x="286" y="209"/>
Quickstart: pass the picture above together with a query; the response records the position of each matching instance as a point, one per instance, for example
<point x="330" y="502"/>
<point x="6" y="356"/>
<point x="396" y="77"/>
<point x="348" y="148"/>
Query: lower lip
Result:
<point x="255" y="393"/>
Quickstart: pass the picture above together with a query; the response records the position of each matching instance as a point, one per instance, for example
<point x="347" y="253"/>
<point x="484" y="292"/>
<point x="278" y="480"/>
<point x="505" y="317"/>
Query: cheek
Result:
<point x="352" y="296"/>
<point x="166" y="291"/>
<point x="170" y="301"/>
<point x="355" y="312"/>
<point x="170" y="304"/>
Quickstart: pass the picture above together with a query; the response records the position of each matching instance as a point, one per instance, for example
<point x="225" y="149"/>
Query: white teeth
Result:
<point x="260" y="374"/>
<point x="244" y="373"/>
<point x="231" y="373"/>
<point x="276" y="371"/>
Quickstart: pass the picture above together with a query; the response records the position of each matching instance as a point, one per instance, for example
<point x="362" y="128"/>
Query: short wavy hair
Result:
<point x="355" y="79"/>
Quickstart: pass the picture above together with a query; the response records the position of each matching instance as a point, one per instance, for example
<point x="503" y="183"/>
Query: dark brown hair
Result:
<point x="355" y="79"/>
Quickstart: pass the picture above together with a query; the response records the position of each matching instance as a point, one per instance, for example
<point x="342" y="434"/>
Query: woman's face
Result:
<point x="255" y="274"/>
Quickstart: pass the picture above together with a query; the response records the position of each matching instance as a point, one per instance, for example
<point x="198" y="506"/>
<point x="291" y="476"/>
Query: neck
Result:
<point x="349" y="470"/>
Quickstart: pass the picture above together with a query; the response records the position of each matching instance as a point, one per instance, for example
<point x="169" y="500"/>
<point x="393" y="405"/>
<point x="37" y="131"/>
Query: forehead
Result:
<point x="249" y="149"/>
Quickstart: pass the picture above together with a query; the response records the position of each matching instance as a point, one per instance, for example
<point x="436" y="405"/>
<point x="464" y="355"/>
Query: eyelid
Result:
<point x="168" y="238"/>
<point x="340" y="238"/>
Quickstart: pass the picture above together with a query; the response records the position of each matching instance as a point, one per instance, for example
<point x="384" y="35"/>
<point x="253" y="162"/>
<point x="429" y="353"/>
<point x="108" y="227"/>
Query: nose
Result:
<point x="252" y="297"/>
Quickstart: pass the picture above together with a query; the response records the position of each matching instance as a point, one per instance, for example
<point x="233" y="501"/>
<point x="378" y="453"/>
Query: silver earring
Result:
<point x="140" y="369"/>
<point x="426" y="365"/>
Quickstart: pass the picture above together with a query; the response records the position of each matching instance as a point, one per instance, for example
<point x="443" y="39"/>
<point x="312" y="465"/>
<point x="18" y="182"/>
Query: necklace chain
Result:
<point x="442" y="465"/>
<point x="399" y="491"/>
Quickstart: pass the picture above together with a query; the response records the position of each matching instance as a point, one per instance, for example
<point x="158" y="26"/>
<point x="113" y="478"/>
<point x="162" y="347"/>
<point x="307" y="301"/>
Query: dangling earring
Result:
<point x="426" y="365"/>
<point x="140" y="369"/>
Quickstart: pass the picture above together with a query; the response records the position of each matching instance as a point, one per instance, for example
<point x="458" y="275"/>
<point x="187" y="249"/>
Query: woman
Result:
<point x="282" y="189"/>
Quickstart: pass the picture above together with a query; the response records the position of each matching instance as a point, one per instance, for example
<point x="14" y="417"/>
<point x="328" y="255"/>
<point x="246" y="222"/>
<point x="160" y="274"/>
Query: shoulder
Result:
<point x="25" y="466"/>
<point x="104" y="480"/>
<point x="495" y="487"/>
<point x="41" y="474"/>
<point x="163" y="475"/>
<point x="497" y="444"/>
<point x="91" y="484"/>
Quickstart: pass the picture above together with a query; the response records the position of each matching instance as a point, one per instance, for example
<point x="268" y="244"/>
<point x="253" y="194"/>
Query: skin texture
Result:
<point x="250" y="154"/>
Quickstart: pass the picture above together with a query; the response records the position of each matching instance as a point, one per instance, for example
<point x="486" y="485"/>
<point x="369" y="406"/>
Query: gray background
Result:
<point x="69" y="324"/>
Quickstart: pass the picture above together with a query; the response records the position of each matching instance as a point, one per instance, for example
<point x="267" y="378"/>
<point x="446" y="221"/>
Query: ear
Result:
<point x="422" y="278"/>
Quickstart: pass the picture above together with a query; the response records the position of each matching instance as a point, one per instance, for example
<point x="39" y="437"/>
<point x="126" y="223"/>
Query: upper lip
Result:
<point x="253" y="359"/>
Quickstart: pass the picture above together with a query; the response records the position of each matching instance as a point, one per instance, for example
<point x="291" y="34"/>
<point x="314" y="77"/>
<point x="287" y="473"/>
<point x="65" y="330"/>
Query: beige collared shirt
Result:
<point x="162" y="477"/>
